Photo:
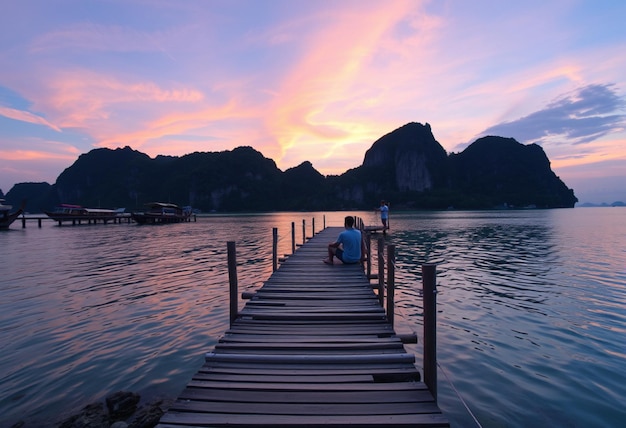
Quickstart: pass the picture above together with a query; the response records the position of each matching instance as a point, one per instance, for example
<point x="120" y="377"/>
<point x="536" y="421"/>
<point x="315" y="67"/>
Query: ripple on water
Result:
<point x="530" y="309"/>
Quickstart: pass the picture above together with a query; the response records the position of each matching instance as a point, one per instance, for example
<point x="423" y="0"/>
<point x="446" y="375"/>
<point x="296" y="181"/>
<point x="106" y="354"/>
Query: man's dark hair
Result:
<point x="349" y="221"/>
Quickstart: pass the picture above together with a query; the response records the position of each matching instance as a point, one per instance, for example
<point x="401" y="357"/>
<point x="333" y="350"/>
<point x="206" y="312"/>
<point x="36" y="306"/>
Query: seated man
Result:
<point x="349" y="247"/>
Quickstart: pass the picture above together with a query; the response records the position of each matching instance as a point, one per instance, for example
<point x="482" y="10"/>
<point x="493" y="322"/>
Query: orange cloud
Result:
<point x="319" y="100"/>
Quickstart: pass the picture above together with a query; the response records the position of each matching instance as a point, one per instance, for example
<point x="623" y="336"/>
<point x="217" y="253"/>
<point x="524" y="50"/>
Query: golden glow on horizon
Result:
<point x="603" y="152"/>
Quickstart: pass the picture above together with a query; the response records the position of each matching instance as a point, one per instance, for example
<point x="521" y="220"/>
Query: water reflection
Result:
<point x="507" y="264"/>
<point x="530" y="302"/>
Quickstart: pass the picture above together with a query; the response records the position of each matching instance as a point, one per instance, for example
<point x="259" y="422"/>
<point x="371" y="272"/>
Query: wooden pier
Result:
<point x="312" y="347"/>
<point x="119" y="218"/>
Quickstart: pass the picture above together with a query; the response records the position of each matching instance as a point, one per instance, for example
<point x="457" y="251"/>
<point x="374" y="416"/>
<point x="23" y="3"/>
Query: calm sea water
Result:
<point x="531" y="321"/>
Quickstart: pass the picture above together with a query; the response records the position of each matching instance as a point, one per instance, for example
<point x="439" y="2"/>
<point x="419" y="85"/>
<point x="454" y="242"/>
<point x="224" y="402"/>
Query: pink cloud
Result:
<point x="25" y="116"/>
<point x="337" y="80"/>
<point x="29" y="155"/>
<point x="80" y="97"/>
<point x="34" y="160"/>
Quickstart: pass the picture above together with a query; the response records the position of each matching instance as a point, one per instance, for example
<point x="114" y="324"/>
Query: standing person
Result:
<point x="384" y="215"/>
<point x="349" y="247"/>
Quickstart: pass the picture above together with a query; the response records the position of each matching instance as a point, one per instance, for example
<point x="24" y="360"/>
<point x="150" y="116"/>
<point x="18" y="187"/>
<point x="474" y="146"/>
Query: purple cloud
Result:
<point x="580" y="117"/>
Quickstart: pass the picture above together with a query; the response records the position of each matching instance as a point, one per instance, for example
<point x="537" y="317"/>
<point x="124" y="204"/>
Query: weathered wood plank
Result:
<point x="377" y="371"/>
<point x="372" y="409"/>
<point x="173" y="419"/>
<point x="363" y="397"/>
<point x="281" y="338"/>
<point x="284" y="378"/>
<point x="251" y="386"/>
<point x="307" y="348"/>
<point x="360" y="358"/>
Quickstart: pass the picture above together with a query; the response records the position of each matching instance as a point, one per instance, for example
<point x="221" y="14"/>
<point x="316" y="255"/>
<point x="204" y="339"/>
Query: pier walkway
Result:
<point x="313" y="347"/>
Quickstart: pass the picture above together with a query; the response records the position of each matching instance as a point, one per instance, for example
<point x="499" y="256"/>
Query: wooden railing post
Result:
<point x="303" y="232"/>
<point x="368" y="246"/>
<point x="313" y="226"/>
<point x="274" y="249"/>
<point x="232" y="280"/>
<point x="429" y="290"/>
<point x="381" y="271"/>
<point x="391" y="270"/>
<point x="293" y="237"/>
<point x="324" y="221"/>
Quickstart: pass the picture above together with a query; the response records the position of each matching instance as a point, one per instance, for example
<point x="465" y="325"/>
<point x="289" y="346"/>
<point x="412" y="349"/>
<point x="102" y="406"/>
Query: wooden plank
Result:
<point x="305" y="347"/>
<point x="363" y="397"/>
<point x="235" y="337"/>
<point x="313" y="370"/>
<point x="284" y="378"/>
<point x="360" y="358"/>
<point x="175" y="419"/>
<point x="251" y="386"/>
<point x="311" y="317"/>
<point x="371" y="409"/>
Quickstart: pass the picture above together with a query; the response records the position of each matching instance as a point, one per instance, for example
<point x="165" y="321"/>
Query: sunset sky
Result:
<point x="312" y="80"/>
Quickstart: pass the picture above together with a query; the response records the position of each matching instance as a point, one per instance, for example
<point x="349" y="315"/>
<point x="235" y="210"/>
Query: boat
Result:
<point x="7" y="217"/>
<point x="162" y="212"/>
<point x="77" y="213"/>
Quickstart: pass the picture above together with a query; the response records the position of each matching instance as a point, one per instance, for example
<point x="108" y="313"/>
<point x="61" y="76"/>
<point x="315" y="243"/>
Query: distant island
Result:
<point x="604" y="204"/>
<point x="406" y="166"/>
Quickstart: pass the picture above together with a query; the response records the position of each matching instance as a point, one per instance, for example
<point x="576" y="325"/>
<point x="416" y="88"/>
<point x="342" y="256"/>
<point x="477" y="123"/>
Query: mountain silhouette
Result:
<point x="406" y="166"/>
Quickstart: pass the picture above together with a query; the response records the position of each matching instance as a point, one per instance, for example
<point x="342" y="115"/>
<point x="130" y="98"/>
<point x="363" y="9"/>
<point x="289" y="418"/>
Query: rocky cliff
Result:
<point x="406" y="166"/>
<point x="410" y="158"/>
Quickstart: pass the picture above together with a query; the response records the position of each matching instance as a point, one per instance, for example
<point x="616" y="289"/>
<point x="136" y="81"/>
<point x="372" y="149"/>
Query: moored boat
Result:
<point x="162" y="212"/>
<point x="7" y="217"/>
<point x="69" y="212"/>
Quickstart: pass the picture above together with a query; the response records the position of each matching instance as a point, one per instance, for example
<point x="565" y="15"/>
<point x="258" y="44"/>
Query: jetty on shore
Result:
<point x="314" y="346"/>
<point x="119" y="218"/>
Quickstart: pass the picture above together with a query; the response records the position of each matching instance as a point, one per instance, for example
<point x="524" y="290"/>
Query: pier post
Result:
<point x="274" y="249"/>
<point x="429" y="290"/>
<point x="293" y="237"/>
<point x="391" y="260"/>
<point x="381" y="271"/>
<point x="368" y="245"/>
<point x="232" y="280"/>
<point x="313" y="226"/>
<point x="303" y="231"/>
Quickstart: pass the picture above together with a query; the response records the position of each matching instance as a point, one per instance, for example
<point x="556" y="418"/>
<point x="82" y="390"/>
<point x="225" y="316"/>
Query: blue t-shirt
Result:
<point x="384" y="212"/>
<point x="351" y="241"/>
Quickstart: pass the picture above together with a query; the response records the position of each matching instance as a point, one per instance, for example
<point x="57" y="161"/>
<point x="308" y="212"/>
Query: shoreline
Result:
<point x="121" y="409"/>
